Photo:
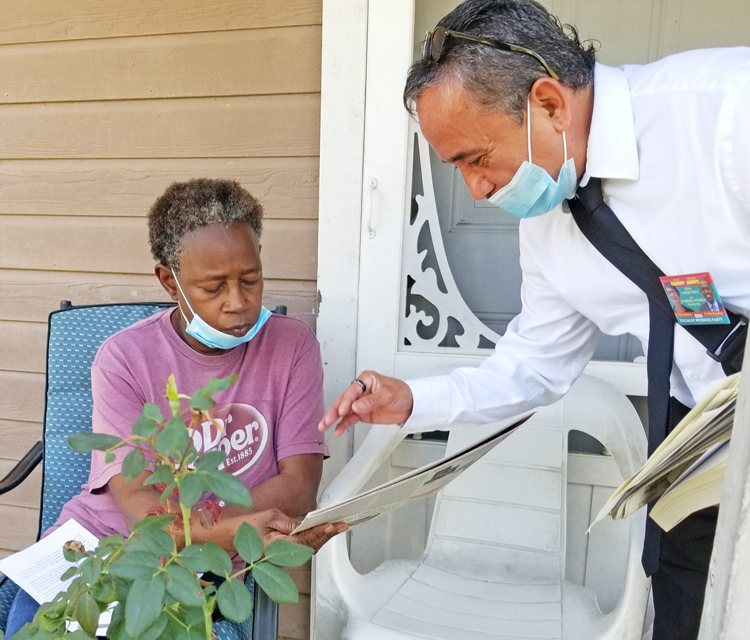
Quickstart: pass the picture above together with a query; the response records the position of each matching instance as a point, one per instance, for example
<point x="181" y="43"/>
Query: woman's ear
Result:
<point x="166" y="279"/>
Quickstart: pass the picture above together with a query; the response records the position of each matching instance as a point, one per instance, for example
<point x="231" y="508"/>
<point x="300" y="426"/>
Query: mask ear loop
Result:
<point x="528" y="125"/>
<point x="184" y="297"/>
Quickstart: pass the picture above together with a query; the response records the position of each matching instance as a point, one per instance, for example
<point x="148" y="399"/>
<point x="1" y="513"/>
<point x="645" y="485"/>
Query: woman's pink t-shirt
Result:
<point x="270" y="413"/>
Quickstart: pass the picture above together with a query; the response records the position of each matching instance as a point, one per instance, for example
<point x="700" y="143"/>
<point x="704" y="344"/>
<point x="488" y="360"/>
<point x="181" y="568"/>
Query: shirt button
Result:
<point x="695" y="375"/>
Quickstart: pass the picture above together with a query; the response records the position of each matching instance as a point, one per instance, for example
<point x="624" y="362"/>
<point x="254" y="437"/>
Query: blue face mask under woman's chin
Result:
<point x="204" y="333"/>
<point x="532" y="191"/>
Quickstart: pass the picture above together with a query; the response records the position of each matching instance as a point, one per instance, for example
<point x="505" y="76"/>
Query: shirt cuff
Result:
<point x="431" y="408"/>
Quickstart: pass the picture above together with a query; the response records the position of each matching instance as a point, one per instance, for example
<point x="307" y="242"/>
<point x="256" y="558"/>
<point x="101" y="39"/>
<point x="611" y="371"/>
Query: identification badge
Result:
<point x="694" y="299"/>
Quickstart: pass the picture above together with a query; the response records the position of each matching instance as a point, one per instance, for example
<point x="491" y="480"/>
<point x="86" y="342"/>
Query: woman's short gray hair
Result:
<point x="186" y="206"/>
<point x="500" y="80"/>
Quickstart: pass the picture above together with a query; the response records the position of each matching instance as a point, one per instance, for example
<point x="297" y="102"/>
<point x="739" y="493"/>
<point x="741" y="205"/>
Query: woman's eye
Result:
<point x="213" y="289"/>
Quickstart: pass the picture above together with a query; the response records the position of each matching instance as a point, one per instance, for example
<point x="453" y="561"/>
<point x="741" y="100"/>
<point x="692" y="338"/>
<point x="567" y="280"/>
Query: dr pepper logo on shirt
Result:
<point x="245" y="438"/>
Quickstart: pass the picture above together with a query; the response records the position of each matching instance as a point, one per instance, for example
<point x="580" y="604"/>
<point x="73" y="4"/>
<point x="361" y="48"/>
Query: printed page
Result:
<point x="707" y="424"/>
<point x="409" y="487"/>
<point x="37" y="569"/>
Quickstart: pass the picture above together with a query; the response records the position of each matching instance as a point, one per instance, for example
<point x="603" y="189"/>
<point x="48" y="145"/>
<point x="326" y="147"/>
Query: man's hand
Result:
<point x="272" y="525"/>
<point x="383" y="401"/>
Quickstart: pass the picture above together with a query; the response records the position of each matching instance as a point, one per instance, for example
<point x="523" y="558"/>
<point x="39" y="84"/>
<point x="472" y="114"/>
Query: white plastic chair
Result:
<point x="494" y="566"/>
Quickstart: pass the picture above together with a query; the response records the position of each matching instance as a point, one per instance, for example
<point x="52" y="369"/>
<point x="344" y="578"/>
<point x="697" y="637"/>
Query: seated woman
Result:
<point x="205" y="235"/>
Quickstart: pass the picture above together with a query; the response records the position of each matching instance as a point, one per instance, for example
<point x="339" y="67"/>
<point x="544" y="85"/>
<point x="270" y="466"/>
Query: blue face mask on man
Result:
<point x="532" y="191"/>
<point x="206" y="334"/>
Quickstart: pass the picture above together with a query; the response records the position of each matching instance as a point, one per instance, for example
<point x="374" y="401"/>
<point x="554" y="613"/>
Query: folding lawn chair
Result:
<point x="75" y="335"/>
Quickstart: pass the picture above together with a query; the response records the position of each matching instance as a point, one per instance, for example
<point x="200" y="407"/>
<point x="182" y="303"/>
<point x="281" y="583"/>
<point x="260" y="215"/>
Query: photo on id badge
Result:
<point x="694" y="299"/>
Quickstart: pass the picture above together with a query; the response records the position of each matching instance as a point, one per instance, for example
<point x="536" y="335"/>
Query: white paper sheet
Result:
<point x="37" y="569"/>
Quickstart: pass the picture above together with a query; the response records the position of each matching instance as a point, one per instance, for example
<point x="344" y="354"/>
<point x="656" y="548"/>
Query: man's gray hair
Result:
<point x="501" y="80"/>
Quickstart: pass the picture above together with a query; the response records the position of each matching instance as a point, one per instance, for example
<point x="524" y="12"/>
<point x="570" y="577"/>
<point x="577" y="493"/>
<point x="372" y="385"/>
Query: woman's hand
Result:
<point x="273" y="525"/>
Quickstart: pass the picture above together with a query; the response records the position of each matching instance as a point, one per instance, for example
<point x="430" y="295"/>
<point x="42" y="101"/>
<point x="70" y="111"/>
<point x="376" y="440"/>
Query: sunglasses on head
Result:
<point x="434" y="46"/>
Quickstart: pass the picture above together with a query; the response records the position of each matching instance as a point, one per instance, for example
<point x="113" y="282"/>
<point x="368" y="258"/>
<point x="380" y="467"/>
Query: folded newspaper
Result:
<point x="685" y="457"/>
<point x="409" y="487"/>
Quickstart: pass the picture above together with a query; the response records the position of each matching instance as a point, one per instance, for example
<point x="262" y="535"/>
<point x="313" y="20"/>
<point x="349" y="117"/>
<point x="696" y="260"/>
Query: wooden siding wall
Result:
<point x="103" y="103"/>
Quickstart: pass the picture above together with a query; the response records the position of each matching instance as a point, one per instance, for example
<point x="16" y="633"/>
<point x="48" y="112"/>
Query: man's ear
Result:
<point x="166" y="279"/>
<point x="549" y="94"/>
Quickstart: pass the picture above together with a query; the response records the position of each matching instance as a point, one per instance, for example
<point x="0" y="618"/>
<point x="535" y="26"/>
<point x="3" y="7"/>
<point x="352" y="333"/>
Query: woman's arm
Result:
<point x="135" y="500"/>
<point x="293" y="491"/>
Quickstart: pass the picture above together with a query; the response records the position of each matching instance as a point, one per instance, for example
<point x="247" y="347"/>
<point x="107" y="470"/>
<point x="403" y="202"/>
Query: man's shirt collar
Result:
<point x="612" y="151"/>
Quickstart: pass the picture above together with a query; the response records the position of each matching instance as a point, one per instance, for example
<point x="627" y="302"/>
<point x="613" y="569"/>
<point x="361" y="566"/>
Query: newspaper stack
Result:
<point x="687" y="453"/>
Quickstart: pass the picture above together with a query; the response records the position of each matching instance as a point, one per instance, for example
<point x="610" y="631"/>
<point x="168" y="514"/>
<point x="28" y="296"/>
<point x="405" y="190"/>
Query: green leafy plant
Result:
<point x="152" y="577"/>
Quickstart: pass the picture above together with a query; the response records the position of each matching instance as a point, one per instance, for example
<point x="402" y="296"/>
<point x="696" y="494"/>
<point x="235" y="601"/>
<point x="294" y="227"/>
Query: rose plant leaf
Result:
<point x="275" y="582"/>
<point x="172" y="438"/>
<point x="154" y="522"/>
<point x="86" y="613"/>
<point x="162" y="475"/>
<point x="134" y="565"/>
<point x="206" y="557"/>
<point x="211" y="460"/>
<point x="104" y="590"/>
<point x="248" y="543"/>
<point x="133" y="464"/>
<point x="229" y="489"/>
<point x="157" y="541"/>
<point x="145" y="427"/>
<point x="109" y="544"/>
<point x="288" y="554"/>
<point x="234" y="600"/>
<point x="85" y="441"/>
<point x="156" y="629"/>
<point x="69" y="573"/>
<point x="91" y="570"/>
<point x="183" y="586"/>
<point x="143" y="605"/>
<point x="203" y="397"/>
<point x="117" y="623"/>
<point x="191" y="634"/>
<point x="152" y="412"/>
<point x="192" y="487"/>
<point x="109" y="457"/>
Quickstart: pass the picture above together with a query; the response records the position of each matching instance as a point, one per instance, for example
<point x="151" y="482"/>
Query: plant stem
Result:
<point x="207" y="619"/>
<point x="186" y="523"/>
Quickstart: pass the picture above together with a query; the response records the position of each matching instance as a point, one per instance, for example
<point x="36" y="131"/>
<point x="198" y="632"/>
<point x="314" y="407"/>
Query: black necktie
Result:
<point x="602" y="228"/>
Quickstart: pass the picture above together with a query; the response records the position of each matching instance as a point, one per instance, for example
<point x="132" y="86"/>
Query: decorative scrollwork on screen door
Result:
<point x="435" y="318"/>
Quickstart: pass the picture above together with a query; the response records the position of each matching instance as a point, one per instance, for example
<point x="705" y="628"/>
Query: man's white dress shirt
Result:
<point x="671" y="142"/>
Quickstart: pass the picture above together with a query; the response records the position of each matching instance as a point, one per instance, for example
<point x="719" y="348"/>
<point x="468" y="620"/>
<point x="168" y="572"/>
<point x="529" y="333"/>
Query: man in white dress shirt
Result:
<point x="526" y="125"/>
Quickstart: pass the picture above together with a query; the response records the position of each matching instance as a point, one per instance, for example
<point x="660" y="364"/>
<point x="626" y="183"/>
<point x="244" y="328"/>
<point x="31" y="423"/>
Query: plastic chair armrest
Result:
<point x="25" y="466"/>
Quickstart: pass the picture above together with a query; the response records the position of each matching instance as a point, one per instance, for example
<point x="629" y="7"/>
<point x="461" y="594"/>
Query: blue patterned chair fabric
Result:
<point x="75" y="335"/>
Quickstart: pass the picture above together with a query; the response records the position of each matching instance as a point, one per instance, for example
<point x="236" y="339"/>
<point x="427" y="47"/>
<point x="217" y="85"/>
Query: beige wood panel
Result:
<point x="120" y="245"/>
<point x="22" y="396"/>
<point x="23" y="347"/>
<point x="20" y="525"/>
<point x="294" y="619"/>
<point x="16" y="438"/>
<point x="30" y="296"/>
<point x="248" y="62"/>
<point x="44" y="20"/>
<point x="287" y="187"/>
<point x="28" y="493"/>
<point x="279" y="125"/>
